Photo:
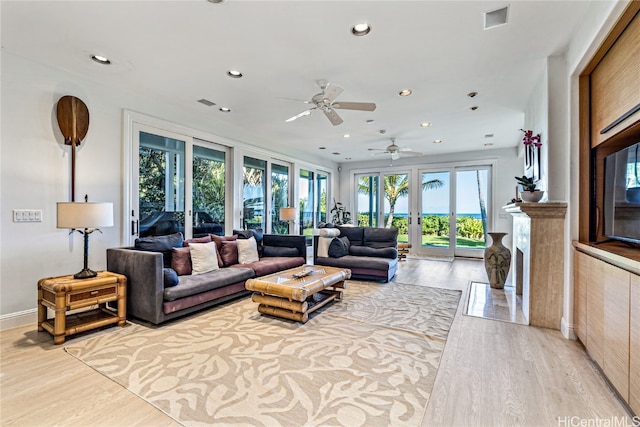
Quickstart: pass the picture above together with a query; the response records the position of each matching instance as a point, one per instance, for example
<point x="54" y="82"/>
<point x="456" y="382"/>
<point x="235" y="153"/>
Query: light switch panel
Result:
<point x="27" y="215"/>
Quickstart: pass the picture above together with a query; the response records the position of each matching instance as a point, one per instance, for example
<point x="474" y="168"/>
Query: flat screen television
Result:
<point x="622" y="195"/>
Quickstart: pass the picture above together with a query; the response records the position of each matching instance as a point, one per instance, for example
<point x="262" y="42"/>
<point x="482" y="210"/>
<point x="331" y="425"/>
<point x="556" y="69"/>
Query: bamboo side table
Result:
<point x="64" y="293"/>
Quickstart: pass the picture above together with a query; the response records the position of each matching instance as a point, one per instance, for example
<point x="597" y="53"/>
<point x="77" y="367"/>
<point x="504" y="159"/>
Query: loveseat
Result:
<point x="160" y="285"/>
<point x="370" y="253"/>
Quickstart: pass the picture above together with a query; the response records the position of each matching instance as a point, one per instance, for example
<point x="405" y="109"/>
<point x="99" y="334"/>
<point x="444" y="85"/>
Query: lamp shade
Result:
<point x="287" y="214"/>
<point x="85" y="214"/>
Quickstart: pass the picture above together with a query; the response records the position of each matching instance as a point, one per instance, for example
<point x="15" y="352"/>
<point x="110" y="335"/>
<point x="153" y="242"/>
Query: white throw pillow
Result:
<point x="203" y="257"/>
<point x="329" y="232"/>
<point x="323" y="246"/>
<point x="247" y="250"/>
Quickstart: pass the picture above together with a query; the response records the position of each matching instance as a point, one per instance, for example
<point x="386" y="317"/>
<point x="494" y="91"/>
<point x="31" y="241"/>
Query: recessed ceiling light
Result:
<point x="215" y="1"/>
<point x="225" y="109"/>
<point x="336" y="153"/>
<point x="437" y="141"/>
<point x="101" y="59"/>
<point x="474" y="108"/>
<point x="370" y="121"/>
<point x="322" y="148"/>
<point x="361" y="29"/>
<point x="405" y="92"/>
<point x="346" y="135"/>
<point x="472" y="94"/>
<point x="234" y="73"/>
<point x="488" y="144"/>
<point x="347" y="158"/>
<point x="425" y="124"/>
<point x="488" y="135"/>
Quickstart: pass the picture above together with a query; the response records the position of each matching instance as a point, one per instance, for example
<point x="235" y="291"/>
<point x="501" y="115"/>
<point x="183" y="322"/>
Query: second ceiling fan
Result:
<point x="395" y="150"/>
<point x="325" y="102"/>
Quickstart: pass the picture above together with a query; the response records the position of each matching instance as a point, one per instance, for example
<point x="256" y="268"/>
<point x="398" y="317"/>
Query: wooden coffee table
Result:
<point x="292" y="295"/>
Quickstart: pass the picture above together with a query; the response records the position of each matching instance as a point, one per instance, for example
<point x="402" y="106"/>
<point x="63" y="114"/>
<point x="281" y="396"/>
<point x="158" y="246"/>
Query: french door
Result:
<point x="453" y="211"/>
<point x="178" y="184"/>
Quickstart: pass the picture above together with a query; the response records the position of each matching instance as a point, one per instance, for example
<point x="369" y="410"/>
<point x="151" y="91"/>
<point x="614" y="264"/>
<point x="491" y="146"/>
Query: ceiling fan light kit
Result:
<point x="325" y="102"/>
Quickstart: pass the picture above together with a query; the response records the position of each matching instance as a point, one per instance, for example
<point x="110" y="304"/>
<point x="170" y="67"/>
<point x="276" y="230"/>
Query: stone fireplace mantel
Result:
<point x="538" y="260"/>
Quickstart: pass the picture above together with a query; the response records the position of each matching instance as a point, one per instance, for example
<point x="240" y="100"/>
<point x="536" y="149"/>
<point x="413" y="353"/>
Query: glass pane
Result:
<point x="161" y="185"/>
<point x="396" y="204"/>
<point x="279" y="197"/>
<point x="471" y="208"/>
<point x="208" y="191"/>
<point x="435" y="209"/>
<point x="253" y="193"/>
<point x="367" y="189"/>
<point x="321" y="208"/>
<point x="306" y="204"/>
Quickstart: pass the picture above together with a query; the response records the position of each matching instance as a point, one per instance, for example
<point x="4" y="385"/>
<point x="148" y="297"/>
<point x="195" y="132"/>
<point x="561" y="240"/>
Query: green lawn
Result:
<point x="443" y="241"/>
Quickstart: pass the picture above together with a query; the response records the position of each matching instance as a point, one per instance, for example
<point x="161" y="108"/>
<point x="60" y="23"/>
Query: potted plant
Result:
<point x="529" y="191"/>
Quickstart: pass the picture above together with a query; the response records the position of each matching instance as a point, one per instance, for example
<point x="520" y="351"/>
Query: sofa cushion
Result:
<point x="268" y="265"/>
<point x="229" y="253"/>
<point x="354" y="234"/>
<point x="380" y="237"/>
<point x="162" y="244"/>
<point x="339" y="247"/>
<point x="193" y="285"/>
<point x="247" y="250"/>
<point x="274" y="251"/>
<point x="351" y="261"/>
<point x="219" y="240"/>
<point x="203" y="257"/>
<point x="366" y="251"/>
<point x="181" y="261"/>
<point x="170" y="277"/>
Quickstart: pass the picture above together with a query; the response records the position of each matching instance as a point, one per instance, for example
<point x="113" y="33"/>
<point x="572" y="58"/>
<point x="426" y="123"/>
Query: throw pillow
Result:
<point x="323" y="246"/>
<point x="162" y="244"/>
<point x="339" y="247"/>
<point x="170" y="277"/>
<point x="229" y="253"/>
<point x="181" y="261"/>
<point x="219" y="240"/>
<point x="279" y="251"/>
<point x="247" y="251"/>
<point x="203" y="257"/>
<point x="205" y="239"/>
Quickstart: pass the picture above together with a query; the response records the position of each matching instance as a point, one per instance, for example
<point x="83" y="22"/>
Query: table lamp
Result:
<point x="85" y="218"/>
<point x="288" y="214"/>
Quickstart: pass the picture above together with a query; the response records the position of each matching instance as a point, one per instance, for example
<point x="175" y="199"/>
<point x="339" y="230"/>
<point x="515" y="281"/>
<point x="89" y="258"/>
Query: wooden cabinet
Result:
<point x="607" y="319"/>
<point x="615" y="86"/>
<point x="634" y="346"/>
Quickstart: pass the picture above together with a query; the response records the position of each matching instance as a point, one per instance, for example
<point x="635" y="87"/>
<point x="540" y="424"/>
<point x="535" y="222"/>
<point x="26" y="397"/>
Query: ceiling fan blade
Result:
<point x="297" y="116"/>
<point x="361" y="106"/>
<point x="332" y="91"/>
<point x="294" y="99"/>
<point x="378" y="149"/>
<point x="411" y="152"/>
<point x="333" y="117"/>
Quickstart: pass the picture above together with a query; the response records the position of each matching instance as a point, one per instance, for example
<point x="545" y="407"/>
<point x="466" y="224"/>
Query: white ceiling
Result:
<point x="177" y="52"/>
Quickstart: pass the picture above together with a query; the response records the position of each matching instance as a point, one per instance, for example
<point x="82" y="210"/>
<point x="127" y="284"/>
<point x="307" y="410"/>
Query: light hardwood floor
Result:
<point x="492" y="374"/>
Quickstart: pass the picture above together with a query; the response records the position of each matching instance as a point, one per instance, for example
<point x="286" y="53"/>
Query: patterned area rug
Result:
<point x="370" y="359"/>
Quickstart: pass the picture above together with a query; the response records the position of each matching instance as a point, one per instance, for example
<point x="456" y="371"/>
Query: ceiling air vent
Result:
<point x="496" y="18"/>
<point x="206" y="102"/>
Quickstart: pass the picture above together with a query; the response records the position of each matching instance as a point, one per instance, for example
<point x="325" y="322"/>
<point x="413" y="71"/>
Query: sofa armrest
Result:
<point x="286" y="241"/>
<point x="145" y="281"/>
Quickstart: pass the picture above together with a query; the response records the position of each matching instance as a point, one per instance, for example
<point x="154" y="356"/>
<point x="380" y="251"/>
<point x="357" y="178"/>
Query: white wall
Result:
<point x="35" y="173"/>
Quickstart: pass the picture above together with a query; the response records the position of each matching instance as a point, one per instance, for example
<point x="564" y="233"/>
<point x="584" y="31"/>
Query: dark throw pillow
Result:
<point x="229" y="253"/>
<point x="162" y="244"/>
<point x="205" y="239"/>
<point x="170" y="277"/>
<point x="339" y="247"/>
<point x="219" y="240"/>
<point x="181" y="261"/>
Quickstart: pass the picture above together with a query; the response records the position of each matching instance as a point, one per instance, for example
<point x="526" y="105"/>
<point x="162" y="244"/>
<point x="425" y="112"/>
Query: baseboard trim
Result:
<point x="17" y="319"/>
<point x="567" y="329"/>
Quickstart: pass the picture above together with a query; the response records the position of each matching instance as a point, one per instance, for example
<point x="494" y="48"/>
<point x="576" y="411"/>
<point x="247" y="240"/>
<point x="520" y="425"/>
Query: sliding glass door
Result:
<point x="279" y="197"/>
<point x="254" y="193"/>
<point x="209" y="180"/>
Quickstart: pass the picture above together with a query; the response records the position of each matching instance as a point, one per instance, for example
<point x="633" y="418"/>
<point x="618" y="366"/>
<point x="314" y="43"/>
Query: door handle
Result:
<point x="134" y="227"/>
<point x="409" y="220"/>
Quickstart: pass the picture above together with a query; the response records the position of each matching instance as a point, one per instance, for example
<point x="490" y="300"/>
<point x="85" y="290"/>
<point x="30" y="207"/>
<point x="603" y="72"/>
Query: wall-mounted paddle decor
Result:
<point x="73" y="119"/>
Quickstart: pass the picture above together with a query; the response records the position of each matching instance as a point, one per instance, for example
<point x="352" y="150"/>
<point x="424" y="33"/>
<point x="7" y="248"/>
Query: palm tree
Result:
<point x="395" y="187"/>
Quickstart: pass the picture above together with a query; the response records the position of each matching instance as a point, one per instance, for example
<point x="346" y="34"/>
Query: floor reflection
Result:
<point x="496" y="304"/>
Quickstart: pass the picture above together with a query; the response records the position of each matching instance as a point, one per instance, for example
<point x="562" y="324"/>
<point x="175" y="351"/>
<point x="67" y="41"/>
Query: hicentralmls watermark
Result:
<point x="576" y="421"/>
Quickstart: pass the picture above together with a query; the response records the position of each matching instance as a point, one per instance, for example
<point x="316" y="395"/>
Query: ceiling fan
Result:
<point x="325" y="102"/>
<point x="395" y="150"/>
